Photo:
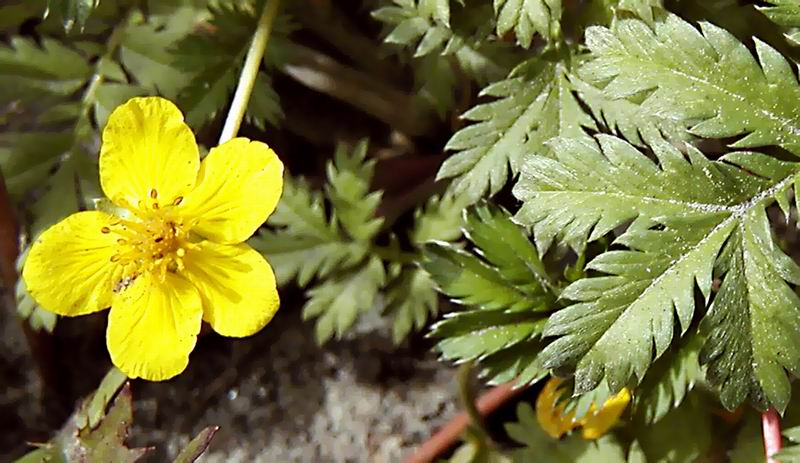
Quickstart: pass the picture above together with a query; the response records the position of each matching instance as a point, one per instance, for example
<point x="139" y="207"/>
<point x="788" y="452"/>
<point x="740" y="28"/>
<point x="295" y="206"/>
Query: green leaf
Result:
<point x="307" y="244"/>
<point x="505" y="290"/>
<point x="265" y="104"/>
<point x="340" y="299"/>
<point x="146" y="51"/>
<point x="683" y="436"/>
<point x="784" y="13"/>
<point x="748" y="446"/>
<point x="411" y="298"/>
<point x="538" y="446"/>
<point x="72" y="11"/>
<point x="669" y="380"/>
<point x="527" y="18"/>
<point x="685" y="211"/>
<point x="105" y="442"/>
<point x="213" y="57"/>
<point x="706" y="80"/>
<point x="533" y="105"/>
<point x="441" y="219"/>
<point x="626" y="118"/>
<point x="29" y="72"/>
<point x="197" y="446"/>
<point x="349" y="178"/>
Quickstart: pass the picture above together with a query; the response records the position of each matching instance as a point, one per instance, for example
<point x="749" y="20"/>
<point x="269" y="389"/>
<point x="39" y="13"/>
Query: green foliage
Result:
<point x="212" y="58"/>
<point x="669" y="380"/>
<point x="791" y="453"/>
<point x="690" y="215"/>
<point x="72" y="12"/>
<point x="533" y="105"/>
<point x="706" y="80"/>
<point x="785" y="13"/>
<point x="538" y="446"/>
<point x="425" y="27"/>
<point x="99" y="427"/>
<point x="689" y="424"/>
<point x="338" y="250"/>
<point x="529" y="17"/>
<point x="506" y="288"/>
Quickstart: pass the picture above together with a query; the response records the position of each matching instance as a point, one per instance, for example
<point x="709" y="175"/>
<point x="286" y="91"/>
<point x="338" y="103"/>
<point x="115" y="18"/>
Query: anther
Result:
<point x="177" y="201"/>
<point x="180" y="252"/>
<point x="115" y="258"/>
<point x="105" y="230"/>
<point x="153" y="193"/>
<point x="159" y="239"/>
<point x="121" y="241"/>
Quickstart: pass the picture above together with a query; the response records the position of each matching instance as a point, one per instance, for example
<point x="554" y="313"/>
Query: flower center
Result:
<point x="154" y="240"/>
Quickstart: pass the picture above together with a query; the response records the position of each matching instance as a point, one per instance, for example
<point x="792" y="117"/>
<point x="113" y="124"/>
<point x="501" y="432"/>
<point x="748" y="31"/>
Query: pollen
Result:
<point x="152" y="241"/>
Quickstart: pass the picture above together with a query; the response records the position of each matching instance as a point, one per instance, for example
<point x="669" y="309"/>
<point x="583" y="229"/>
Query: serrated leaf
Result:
<point x="72" y="12"/>
<point x="626" y="118"/>
<point x="411" y="298"/>
<point x="527" y="18"/>
<point x="538" y="446"/>
<point x="534" y="104"/>
<point x="682" y="436"/>
<point x="104" y="442"/>
<point x="349" y="177"/>
<point x="337" y="302"/>
<point x="30" y="72"/>
<point x="146" y="51"/>
<point x="307" y="244"/>
<point x="441" y="219"/>
<point x="504" y="286"/>
<point x="704" y="79"/>
<point x="213" y="57"/>
<point x="784" y="13"/>
<point x="669" y="380"/>
<point x="685" y="211"/>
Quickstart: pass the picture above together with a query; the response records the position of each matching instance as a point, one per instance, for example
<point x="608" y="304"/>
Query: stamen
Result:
<point x="153" y="193"/>
<point x="105" y="230"/>
<point x="177" y="201"/>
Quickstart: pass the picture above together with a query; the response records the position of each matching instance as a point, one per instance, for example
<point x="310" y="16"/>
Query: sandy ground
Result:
<point x="276" y="396"/>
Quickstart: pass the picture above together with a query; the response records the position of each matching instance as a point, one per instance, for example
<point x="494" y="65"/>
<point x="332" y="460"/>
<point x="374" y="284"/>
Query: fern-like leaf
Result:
<point x="785" y="13"/>
<point x="506" y="294"/>
<point x="538" y="446"/>
<point x="528" y="18"/>
<point x="707" y="80"/>
<point x="689" y="215"/>
<point x="533" y="105"/>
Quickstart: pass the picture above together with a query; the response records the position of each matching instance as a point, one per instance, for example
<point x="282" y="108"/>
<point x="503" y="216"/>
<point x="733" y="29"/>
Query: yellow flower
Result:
<point x="175" y="256"/>
<point x="550" y="410"/>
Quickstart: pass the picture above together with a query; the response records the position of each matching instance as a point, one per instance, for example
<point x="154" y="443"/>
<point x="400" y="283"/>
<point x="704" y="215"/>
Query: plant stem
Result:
<point x="468" y="400"/>
<point x="247" y="78"/>
<point x="771" y="430"/>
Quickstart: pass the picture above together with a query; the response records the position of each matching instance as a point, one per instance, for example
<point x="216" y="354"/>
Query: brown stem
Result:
<point x="448" y="435"/>
<point x="771" y="430"/>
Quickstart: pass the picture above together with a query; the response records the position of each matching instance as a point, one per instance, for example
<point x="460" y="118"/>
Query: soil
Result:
<point x="276" y="396"/>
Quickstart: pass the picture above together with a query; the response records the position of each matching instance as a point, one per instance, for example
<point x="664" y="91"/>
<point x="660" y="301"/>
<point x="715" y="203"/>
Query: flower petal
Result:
<point x="239" y="185"/>
<point x="153" y="327"/>
<point x="237" y="286"/>
<point x="68" y="269"/>
<point x="599" y="423"/>
<point x="146" y="147"/>
<point x="550" y="410"/>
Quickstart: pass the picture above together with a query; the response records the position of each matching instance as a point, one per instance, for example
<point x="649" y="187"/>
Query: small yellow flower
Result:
<point x="177" y="256"/>
<point x="550" y="412"/>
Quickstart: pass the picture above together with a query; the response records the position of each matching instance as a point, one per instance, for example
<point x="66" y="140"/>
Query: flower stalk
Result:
<point x="771" y="430"/>
<point x="247" y="78"/>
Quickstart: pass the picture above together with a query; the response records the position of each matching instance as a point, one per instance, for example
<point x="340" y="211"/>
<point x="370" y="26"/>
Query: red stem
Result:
<point x="771" y="429"/>
<point x="448" y="435"/>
